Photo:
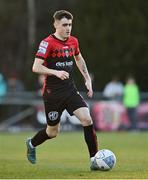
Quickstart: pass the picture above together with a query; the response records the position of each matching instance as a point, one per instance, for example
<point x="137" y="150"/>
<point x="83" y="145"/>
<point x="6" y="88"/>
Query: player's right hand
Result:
<point x="62" y="75"/>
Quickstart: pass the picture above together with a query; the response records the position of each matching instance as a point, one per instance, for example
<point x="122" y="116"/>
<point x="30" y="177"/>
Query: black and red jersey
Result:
<point x="58" y="55"/>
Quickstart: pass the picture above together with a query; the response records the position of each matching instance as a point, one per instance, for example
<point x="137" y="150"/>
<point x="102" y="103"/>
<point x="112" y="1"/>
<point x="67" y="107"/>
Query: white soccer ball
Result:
<point x="105" y="160"/>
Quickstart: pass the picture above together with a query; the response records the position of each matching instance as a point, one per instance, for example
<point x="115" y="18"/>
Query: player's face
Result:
<point x="63" y="27"/>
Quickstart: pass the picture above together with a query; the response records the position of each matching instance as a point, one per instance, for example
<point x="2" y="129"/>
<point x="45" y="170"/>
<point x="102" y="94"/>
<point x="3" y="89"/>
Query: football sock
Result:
<point x="91" y="140"/>
<point x="39" y="138"/>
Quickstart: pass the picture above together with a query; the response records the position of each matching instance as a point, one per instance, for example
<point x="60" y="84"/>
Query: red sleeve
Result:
<point x="77" y="50"/>
<point x="43" y="50"/>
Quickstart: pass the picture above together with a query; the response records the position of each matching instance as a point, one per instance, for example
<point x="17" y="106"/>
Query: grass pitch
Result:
<point x="66" y="157"/>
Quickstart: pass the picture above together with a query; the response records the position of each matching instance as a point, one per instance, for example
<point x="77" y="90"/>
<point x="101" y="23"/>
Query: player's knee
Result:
<point x="51" y="133"/>
<point x="86" y="121"/>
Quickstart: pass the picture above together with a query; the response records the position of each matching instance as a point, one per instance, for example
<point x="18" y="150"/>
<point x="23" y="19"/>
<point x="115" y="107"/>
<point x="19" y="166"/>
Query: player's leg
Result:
<point x="77" y="106"/>
<point x="53" y="114"/>
<point x="83" y="115"/>
<point x="89" y="132"/>
<point x="48" y="133"/>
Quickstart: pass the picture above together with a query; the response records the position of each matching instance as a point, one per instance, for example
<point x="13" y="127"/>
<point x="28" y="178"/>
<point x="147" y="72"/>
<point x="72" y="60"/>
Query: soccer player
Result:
<point x="54" y="59"/>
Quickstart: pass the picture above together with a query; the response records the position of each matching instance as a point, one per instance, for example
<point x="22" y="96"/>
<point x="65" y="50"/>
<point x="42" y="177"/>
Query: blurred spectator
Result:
<point x="131" y="100"/>
<point x="40" y="113"/>
<point x="3" y="86"/>
<point x="15" y="87"/>
<point x="113" y="90"/>
<point x="92" y="77"/>
<point x="15" y="84"/>
<point x="41" y="79"/>
<point x="39" y="85"/>
<point x="3" y="91"/>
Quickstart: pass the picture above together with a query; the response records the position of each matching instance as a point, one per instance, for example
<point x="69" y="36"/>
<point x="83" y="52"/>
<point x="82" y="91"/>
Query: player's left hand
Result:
<point x="88" y="85"/>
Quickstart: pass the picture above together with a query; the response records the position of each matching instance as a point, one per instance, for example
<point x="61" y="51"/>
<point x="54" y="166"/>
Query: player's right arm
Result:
<point x="39" y="68"/>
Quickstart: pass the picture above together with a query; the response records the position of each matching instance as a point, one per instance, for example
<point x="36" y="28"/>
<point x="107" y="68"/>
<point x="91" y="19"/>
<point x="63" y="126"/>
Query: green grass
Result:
<point x="66" y="157"/>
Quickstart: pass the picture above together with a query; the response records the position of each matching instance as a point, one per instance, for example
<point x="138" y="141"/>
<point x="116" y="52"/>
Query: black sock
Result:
<point x="39" y="138"/>
<point x="91" y="139"/>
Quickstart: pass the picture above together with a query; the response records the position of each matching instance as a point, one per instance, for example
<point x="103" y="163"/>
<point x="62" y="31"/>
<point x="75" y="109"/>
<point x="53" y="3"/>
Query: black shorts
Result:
<point x="55" y="106"/>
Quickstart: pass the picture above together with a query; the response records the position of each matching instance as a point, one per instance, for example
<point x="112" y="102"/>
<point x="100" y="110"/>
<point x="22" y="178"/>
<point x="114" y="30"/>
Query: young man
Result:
<point x="54" y="59"/>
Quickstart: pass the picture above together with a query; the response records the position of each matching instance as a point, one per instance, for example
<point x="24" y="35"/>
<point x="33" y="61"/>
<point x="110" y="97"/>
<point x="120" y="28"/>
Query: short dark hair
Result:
<point x="58" y="15"/>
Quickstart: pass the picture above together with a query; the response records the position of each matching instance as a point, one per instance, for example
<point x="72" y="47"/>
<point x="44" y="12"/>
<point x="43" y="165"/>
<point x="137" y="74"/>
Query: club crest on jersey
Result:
<point x="53" y="115"/>
<point x="66" y="53"/>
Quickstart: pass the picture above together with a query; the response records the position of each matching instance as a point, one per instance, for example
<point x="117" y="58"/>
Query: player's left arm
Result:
<point x="80" y="62"/>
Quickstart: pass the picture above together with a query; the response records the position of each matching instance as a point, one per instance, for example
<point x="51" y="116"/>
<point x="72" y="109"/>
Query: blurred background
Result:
<point x="113" y="37"/>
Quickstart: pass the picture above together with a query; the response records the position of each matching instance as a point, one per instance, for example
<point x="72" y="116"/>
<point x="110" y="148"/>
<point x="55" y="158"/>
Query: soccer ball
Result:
<point x="105" y="160"/>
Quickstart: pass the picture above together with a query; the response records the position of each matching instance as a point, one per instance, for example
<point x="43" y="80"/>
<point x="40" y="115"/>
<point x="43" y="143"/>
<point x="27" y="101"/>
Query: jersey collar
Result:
<point x="59" y="39"/>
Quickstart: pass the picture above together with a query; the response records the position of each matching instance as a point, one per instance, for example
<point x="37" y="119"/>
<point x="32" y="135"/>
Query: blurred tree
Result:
<point x="13" y="34"/>
<point x="31" y="40"/>
<point x="113" y="36"/>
